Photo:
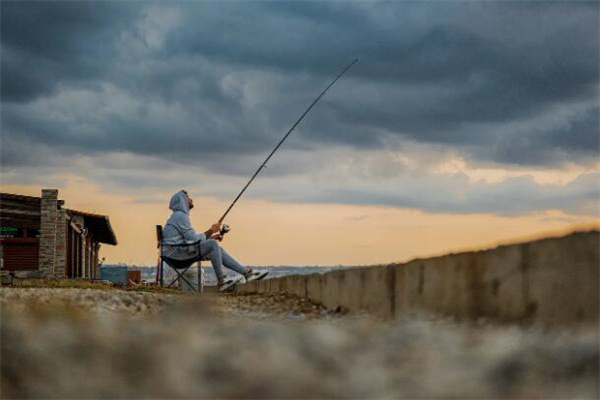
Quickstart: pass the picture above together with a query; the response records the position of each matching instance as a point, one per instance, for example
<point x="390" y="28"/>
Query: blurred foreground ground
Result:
<point x="109" y="343"/>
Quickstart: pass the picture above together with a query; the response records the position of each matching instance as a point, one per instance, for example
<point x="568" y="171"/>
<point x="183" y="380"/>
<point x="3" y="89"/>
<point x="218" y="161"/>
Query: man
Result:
<point x="178" y="229"/>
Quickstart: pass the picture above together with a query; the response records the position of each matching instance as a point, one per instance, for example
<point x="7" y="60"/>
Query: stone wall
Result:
<point x="48" y="224"/>
<point x="61" y="244"/>
<point x="53" y="235"/>
<point x="552" y="281"/>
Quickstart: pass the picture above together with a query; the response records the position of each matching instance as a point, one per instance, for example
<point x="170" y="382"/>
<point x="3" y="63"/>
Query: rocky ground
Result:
<point x="109" y="343"/>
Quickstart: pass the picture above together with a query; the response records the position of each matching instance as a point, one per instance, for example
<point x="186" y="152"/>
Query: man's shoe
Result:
<point x="228" y="284"/>
<point x="255" y="275"/>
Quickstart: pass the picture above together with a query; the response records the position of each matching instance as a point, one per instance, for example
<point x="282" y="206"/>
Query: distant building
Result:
<point x="39" y="236"/>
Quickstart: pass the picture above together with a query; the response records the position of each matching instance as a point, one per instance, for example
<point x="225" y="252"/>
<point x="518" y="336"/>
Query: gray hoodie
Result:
<point x="178" y="229"/>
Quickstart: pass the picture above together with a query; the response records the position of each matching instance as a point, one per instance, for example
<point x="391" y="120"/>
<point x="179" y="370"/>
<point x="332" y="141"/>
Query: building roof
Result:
<point x="99" y="225"/>
<point x="20" y="211"/>
<point x="24" y="212"/>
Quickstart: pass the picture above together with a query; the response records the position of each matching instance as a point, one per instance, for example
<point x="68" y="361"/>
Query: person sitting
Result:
<point x="178" y="229"/>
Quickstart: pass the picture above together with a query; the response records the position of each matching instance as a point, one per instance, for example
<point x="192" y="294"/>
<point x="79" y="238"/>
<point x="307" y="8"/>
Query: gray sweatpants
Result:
<point x="210" y="249"/>
<point x="206" y="250"/>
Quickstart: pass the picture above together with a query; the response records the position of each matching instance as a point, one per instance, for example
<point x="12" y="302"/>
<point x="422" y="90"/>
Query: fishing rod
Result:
<point x="226" y="228"/>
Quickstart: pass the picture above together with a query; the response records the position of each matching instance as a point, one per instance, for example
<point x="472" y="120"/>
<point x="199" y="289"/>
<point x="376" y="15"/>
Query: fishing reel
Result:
<point x="224" y="229"/>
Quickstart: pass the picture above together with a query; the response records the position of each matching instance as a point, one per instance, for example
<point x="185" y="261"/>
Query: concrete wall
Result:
<point x="551" y="281"/>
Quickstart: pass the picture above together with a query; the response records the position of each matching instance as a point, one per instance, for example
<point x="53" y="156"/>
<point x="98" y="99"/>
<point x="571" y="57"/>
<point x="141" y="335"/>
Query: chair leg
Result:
<point x="180" y="275"/>
<point x="188" y="282"/>
<point x="172" y="282"/>
<point x="160" y="269"/>
<point x="200" y="288"/>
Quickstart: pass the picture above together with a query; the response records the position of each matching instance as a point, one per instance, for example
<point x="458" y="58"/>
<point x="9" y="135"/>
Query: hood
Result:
<point x="179" y="202"/>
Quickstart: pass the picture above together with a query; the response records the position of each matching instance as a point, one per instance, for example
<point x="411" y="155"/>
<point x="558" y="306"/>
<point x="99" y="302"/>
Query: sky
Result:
<point x="463" y="125"/>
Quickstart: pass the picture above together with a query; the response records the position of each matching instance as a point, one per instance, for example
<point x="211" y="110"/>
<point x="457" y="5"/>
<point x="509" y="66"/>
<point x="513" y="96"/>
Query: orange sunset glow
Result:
<point x="271" y="233"/>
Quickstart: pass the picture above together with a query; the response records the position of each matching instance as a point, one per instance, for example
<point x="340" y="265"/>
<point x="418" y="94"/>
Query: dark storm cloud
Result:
<point x="49" y="44"/>
<point x="435" y="70"/>
<point x="216" y="84"/>
<point x="575" y="137"/>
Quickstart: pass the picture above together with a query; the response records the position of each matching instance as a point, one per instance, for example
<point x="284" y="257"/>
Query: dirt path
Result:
<point x="131" y="303"/>
<point x="89" y="343"/>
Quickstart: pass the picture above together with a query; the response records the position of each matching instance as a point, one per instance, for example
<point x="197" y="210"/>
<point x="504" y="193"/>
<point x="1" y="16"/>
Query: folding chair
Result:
<point x="179" y="266"/>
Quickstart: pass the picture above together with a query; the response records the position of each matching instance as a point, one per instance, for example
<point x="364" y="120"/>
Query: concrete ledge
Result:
<point x="553" y="281"/>
<point x="7" y="277"/>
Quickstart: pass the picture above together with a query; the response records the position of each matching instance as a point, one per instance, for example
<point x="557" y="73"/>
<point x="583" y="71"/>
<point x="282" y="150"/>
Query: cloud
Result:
<point x="212" y="86"/>
<point x="444" y="193"/>
<point x="49" y="45"/>
<point x="341" y="177"/>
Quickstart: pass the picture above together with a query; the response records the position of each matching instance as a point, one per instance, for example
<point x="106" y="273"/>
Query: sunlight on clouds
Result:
<point x="542" y="176"/>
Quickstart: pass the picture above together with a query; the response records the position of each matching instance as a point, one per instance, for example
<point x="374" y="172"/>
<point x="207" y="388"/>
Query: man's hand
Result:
<point x="216" y="227"/>
<point x="217" y="236"/>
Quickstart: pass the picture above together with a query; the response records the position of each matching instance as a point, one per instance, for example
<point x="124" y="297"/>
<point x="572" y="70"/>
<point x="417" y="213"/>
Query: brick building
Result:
<point x="39" y="237"/>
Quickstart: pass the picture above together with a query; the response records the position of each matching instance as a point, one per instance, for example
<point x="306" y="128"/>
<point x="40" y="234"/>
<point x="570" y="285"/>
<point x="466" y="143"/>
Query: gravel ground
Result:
<point x="90" y="343"/>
